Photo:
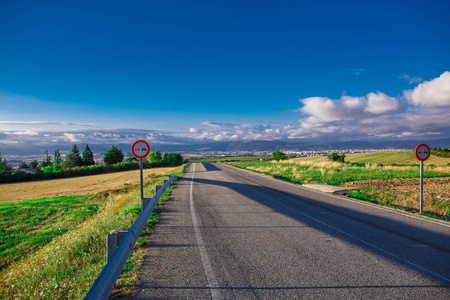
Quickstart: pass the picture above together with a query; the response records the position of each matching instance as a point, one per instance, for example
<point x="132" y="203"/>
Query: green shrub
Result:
<point x="279" y="155"/>
<point x="336" y="157"/>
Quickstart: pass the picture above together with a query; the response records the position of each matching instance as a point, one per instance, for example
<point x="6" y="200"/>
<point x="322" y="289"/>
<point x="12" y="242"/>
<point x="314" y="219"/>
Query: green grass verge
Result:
<point x="66" y="265"/>
<point x="335" y="176"/>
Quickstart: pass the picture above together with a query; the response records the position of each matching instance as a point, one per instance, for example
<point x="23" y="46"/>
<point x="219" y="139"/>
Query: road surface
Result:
<point x="227" y="233"/>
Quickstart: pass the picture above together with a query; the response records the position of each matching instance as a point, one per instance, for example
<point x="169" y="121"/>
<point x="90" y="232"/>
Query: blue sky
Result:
<point x="172" y="71"/>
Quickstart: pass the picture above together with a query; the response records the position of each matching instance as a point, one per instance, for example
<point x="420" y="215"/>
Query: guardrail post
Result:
<point x="123" y="242"/>
<point x="113" y="240"/>
<point x="144" y="202"/>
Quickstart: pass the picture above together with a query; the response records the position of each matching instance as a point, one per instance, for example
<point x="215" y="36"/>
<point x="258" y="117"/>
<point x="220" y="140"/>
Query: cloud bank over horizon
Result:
<point x="424" y="110"/>
<point x="418" y="112"/>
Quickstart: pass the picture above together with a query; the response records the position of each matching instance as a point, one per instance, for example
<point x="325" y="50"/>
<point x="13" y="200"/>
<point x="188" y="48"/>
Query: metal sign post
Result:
<point x="421" y="186"/>
<point x="422" y="153"/>
<point x="140" y="150"/>
<point x="141" y="163"/>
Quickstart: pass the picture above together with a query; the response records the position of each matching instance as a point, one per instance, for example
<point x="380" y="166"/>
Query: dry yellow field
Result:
<point x="75" y="186"/>
<point x="397" y="157"/>
<point x="385" y="158"/>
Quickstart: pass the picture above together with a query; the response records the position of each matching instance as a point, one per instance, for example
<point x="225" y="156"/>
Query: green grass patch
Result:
<point x="331" y="175"/>
<point x="67" y="266"/>
<point x="27" y="226"/>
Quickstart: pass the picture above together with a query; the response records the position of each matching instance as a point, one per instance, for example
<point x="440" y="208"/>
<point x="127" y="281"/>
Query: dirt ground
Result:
<point x="435" y="191"/>
<point x="74" y="186"/>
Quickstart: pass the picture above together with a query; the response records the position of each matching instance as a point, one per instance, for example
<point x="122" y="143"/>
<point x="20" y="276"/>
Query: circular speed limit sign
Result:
<point x="422" y="152"/>
<point x="140" y="149"/>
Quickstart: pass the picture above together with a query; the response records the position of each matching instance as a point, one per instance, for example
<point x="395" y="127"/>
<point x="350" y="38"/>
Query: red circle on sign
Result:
<point x="140" y="149"/>
<point x="422" y="152"/>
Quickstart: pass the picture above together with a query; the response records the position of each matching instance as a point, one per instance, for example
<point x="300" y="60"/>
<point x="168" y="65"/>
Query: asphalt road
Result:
<point x="232" y="234"/>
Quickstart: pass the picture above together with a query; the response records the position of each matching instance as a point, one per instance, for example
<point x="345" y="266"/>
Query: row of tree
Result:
<point x="75" y="159"/>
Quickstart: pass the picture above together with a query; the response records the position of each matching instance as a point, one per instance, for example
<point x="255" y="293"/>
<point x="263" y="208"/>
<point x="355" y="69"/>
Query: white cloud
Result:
<point x="73" y="137"/>
<point x="374" y="115"/>
<point x="24" y="133"/>
<point x="217" y="125"/>
<point x="410" y="79"/>
<point x="431" y="93"/>
<point x="377" y="114"/>
<point x="91" y="137"/>
<point x="43" y="123"/>
<point x="325" y="110"/>
<point x="380" y="103"/>
<point x="224" y="132"/>
<point x="320" y="109"/>
<point x="210" y="124"/>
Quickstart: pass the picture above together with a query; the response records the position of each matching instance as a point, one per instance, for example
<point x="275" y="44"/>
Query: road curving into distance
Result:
<point x="227" y="233"/>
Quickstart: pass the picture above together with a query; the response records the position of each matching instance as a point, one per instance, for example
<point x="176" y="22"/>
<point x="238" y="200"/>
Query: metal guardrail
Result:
<point x="105" y="282"/>
<point x="103" y="285"/>
<point x="187" y="166"/>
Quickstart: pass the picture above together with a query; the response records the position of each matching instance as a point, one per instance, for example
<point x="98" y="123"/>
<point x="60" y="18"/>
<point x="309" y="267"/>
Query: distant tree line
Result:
<point x="442" y="152"/>
<point x="73" y="159"/>
<point x="77" y="164"/>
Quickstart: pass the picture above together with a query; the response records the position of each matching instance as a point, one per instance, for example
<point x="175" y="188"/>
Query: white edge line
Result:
<point x="363" y="242"/>
<point x="386" y="209"/>
<point x="356" y="238"/>
<point x="210" y="276"/>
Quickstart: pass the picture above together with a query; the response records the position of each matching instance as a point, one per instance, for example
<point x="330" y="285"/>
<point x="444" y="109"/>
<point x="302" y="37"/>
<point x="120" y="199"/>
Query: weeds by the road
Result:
<point x="434" y="207"/>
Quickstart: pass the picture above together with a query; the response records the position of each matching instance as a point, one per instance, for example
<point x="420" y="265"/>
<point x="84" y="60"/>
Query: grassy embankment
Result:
<point x="54" y="248"/>
<point x="384" y="166"/>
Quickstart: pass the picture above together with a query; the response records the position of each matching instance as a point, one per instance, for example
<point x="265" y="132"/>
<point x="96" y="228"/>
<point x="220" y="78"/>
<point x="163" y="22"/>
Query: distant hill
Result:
<point x="22" y="153"/>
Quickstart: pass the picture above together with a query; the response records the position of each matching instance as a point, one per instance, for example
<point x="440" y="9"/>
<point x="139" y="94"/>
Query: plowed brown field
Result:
<point x="75" y="186"/>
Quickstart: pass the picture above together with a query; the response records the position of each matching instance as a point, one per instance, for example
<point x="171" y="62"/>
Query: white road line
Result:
<point x="211" y="277"/>
<point x="348" y="199"/>
<point x="356" y="238"/>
